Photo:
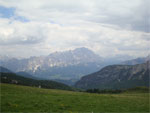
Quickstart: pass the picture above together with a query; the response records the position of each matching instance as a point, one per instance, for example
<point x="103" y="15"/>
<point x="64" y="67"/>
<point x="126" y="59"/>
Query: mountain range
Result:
<point x="117" y="77"/>
<point x="137" y="60"/>
<point x="66" y="65"/>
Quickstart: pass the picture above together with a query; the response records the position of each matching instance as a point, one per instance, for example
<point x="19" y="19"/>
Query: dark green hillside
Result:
<point x="12" y="78"/>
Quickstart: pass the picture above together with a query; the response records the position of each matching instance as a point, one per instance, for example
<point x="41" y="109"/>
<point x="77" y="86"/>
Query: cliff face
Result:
<point x="116" y="77"/>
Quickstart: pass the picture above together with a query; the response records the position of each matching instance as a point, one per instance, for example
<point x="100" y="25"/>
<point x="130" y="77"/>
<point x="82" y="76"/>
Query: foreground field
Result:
<point x="28" y="99"/>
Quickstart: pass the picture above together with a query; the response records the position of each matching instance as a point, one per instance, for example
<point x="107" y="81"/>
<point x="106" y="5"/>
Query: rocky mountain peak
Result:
<point x="69" y="63"/>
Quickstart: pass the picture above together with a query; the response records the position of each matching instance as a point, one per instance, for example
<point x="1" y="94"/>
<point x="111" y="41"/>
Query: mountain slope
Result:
<point x="24" y="74"/>
<point x="116" y="77"/>
<point x="5" y="70"/>
<point x="13" y="78"/>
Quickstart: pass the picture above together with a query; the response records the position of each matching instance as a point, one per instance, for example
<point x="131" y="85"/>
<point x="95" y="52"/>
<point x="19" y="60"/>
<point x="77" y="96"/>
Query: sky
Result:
<point x="108" y="27"/>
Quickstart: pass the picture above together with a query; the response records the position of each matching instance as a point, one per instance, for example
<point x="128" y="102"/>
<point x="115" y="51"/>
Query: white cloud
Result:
<point x="107" y="27"/>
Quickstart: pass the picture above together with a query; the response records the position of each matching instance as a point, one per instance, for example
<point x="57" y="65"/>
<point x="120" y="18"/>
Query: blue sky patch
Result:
<point x="6" y="12"/>
<point x="10" y="13"/>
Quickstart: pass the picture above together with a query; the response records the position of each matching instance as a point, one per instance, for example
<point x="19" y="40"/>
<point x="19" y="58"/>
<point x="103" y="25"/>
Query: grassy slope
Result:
<point x="22" y="98"/>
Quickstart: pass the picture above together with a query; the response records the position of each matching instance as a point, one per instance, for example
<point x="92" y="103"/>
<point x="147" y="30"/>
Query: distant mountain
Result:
<point x="66" y="65"/>
<point x="117" y="59"/>
<point x="5" y="70"/>
<point x="12" y="78"/>
<point x="117" y="77"/>
<point x="137" y="61"/>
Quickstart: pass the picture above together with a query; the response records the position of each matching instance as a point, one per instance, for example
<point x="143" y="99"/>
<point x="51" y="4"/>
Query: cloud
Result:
<point x="10" y="13"/>
<point x="18" y="33"/>
<point x="107" y="27"/>
<point x="131" y="15"/>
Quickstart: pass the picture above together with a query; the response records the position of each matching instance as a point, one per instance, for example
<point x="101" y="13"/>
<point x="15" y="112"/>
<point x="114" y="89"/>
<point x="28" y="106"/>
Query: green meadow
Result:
<point x="15" y="98"/>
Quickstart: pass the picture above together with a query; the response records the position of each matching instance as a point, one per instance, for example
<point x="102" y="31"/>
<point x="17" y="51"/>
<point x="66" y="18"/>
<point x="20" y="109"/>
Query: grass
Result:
<point x="16" y="98"/>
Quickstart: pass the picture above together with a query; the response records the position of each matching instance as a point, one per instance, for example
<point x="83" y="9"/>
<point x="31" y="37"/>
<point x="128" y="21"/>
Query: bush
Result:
<point x="109" y="91"/>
